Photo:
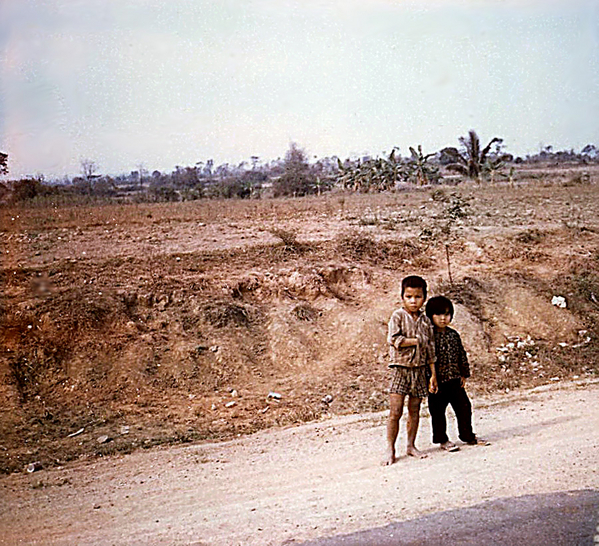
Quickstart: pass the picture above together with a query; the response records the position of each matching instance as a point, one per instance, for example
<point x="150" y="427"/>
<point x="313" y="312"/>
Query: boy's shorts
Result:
<point x="409" y="381"/>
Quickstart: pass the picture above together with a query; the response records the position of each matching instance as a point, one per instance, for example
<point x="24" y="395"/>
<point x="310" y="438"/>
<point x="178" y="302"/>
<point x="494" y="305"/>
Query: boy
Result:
<point x="411" y="350"/>
<point x="451" y="365"/>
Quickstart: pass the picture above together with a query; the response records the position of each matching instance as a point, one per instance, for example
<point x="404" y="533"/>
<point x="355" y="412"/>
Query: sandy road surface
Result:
<point x="286" y="486"/>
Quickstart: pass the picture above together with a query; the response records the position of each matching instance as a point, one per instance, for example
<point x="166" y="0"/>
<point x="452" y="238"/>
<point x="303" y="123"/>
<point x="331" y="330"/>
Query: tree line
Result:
<point x="294" y="175"/>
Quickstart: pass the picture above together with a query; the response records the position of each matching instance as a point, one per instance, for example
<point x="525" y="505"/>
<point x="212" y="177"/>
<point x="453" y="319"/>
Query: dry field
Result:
<point x="129" y="326"/>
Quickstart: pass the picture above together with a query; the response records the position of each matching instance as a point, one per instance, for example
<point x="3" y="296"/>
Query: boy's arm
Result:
<point x="396" y="335"/>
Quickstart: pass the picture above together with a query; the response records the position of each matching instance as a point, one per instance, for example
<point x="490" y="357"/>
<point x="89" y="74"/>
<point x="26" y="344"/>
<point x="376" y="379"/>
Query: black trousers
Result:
<point x="451" y="392"/>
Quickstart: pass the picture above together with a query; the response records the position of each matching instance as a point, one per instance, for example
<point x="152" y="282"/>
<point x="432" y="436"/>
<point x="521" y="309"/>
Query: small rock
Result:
<point x="554" y="379"/>
<point x="327" y="399"/>
<point x="214" y="348"/>
<point x="264" y="410"/>
<point x="34" y="467"/>
<point x="559" y="301"/>
<point x="274" y="395"/>
<point x="230" y="404"/>
<point x="76" y="433"/>
<point x="213" y="407"/>
<point x="125" y="429"/>
<point x="103" y="439"/>
<point x="234" y="393"/>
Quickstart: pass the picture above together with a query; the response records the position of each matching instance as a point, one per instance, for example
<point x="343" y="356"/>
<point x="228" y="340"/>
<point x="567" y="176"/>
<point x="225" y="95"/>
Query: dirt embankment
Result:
<point x="141" y="325"/>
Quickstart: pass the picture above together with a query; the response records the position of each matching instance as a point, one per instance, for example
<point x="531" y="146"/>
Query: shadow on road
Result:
<point x="529" y="429"/>
<point x="556" y="519"/>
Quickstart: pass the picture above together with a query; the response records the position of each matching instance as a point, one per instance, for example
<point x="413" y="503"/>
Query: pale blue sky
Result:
<point x="173" y="82"/>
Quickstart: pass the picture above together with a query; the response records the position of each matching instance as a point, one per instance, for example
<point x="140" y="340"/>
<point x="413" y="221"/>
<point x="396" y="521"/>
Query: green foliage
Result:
<point x="457" y="207"/>
<point x="231" y="188"/>
<point x="297" y="178"/>
<point x="3" y="163"/>
<point x="472" y="161"/>
<point x="419" y="170"/>
<point x="27" y="189"/>
<point x="163" y="193"/>
<point x="371" y="175"/>
<point x="383" y="174"/>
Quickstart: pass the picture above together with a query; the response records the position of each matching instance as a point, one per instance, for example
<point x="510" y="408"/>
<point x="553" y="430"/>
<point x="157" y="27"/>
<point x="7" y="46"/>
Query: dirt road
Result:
<point x="288" y="486"/>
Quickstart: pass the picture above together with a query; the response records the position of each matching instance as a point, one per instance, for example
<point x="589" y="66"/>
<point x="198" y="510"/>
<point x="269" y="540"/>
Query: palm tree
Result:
<point x="471" y="160"/>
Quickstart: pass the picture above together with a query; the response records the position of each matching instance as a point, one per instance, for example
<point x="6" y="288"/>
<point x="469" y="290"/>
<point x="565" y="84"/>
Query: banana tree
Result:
<point x="471" y="159"/>
<point x="371" y="175"/>
<point x="419" y="170"/>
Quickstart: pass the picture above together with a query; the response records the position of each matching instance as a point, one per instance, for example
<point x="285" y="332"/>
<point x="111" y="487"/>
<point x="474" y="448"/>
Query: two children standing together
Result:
<point x="427" y="359"/>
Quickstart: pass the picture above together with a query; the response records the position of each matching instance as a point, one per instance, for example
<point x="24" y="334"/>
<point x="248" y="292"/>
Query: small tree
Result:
<point x="88" y="168"/>
<point x="143" y="173"/>
<point x="297" y="178"/>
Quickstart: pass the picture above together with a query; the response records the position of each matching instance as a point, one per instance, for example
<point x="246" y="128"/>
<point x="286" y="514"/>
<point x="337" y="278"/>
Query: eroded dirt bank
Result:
<point x="157" y="324"/>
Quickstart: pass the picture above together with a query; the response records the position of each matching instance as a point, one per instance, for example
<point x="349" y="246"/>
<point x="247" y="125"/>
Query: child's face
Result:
<point x="442" y="321"/>
<point x="413" y="299"/>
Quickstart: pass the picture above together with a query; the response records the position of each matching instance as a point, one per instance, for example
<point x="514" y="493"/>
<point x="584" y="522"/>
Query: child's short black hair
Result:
<point x="438" y="306"/>
<point x="413" y="281"/>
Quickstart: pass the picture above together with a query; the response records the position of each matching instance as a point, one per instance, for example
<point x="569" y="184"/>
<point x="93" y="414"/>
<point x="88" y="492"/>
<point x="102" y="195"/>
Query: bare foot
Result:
<point x="389" y="457"/>
<point x="413" y="452"/>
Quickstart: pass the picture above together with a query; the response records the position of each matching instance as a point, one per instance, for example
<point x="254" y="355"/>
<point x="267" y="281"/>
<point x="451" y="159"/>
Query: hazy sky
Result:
<point x="174" y="82"/>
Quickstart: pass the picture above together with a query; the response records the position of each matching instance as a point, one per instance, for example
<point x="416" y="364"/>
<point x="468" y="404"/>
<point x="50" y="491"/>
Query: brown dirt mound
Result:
<point x="183" y="343"/>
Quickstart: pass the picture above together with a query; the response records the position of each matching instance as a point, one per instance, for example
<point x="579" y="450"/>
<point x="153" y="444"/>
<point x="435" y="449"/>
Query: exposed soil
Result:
<point x="124" y="327"/>
<point x="286" y="486"/>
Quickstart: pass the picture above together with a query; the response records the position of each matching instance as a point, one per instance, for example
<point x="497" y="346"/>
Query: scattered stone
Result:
<point x="34" y="467"/>
<point x="76" y="433"/>
<point x="559" y="301"/>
